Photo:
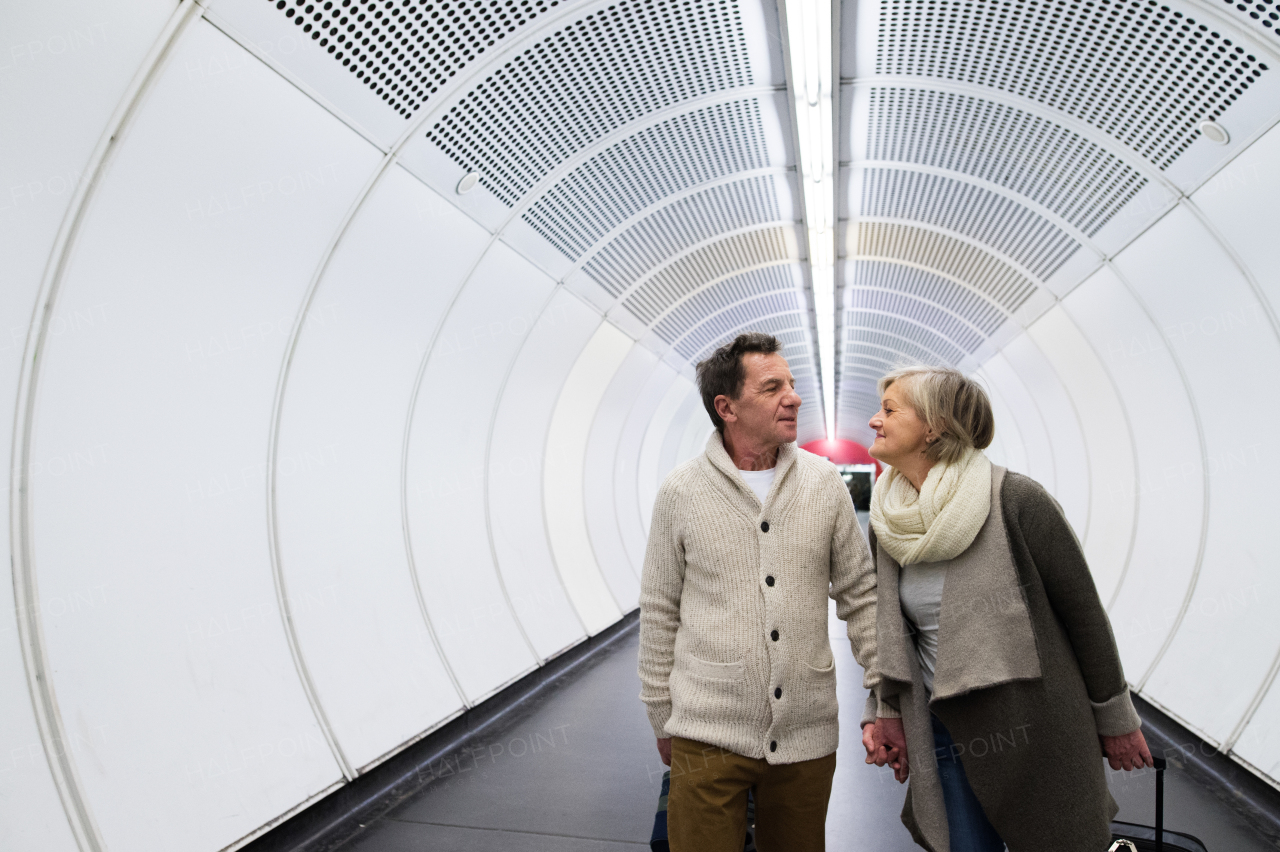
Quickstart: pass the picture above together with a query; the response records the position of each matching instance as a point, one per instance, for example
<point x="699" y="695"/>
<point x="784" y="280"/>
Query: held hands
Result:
<point x="886" y="745"/>
<point x="1127" y="751"/>
<point x="664" y="750"/>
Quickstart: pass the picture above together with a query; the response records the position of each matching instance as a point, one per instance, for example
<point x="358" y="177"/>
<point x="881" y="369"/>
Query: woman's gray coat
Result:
<point x="1027" y="677"/>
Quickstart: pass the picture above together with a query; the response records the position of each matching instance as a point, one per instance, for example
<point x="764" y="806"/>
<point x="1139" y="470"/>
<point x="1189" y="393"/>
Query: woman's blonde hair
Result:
<point x="954" y="406"/>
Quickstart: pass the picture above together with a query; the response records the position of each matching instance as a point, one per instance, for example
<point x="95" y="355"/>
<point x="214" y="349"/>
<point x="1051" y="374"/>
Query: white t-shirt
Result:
<point x="760" y="481"/>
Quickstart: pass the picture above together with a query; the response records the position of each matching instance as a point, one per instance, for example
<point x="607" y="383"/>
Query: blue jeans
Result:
<point x="970" y="830"/>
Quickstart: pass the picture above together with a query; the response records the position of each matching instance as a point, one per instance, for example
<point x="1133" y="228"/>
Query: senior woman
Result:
<point x="993" y="642"/>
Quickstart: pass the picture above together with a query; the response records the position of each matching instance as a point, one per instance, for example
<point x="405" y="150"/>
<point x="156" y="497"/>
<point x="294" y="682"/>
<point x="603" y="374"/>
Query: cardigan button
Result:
<point x="774" y="636"/>
<point x="764" y="526"/>
<point x="773" y="746"/>
<point x="777" y="693"/>
<point x="768" y="581"/>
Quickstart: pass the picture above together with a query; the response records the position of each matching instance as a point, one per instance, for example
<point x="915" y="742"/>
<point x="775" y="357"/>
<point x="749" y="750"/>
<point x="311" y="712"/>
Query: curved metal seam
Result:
<point x="929" y="302"/>
<point x="1267" y="309"/>
<point x="622" y="132"/>
<point x="672" y="260"/>
<point x="273" y="448"/>
<point x="1100" y="138"/>
<point x="404" y="464"/>
<point x="488" y="520"/>
<point x="709" y="317"/>
<point x="977" y="245"/>
<point x="914" y="322"/>
<point x="1018" y="198"/>
<point x="797" y="311"/>
<point x="791" y="261"/>
<point x="664" y="203"/>
<point x="1204" y="473"/>
<point x="1228" y="745"/>
<point x="640" y="445"/>
<point x="1084" y="442"/>
<point x="889" y="334"/>
<point x="617" y="450"/>
<point x="933" y="271"/>
<point x="582" y="485"/>
<point x="1044" y="424"/>
<point x="1133" y="452"/>
<point x="48" y="716"/>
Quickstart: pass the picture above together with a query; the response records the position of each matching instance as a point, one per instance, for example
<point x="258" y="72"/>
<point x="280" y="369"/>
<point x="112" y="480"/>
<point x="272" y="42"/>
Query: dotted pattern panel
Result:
<point x="678" y="226"/>
<point x="978" y="312"/>
<point x="717" y="325"/>
<point x="1054" y="167"/>
<point x="1264" y="15"/>
<point x="641" y="170"/>
<point x="899" y="353"/>
<point x="719" y="296"/>
<point x="921" y="310"/>
<point x="791" y="329"/>
<point x="702" y="266"/>
<point x="856" y="321"/>
<point x="1134" y="69"/>
<point x="979" y="214"/>
<point x="404" y="51"/>
<point x="587" y="80"/>
<point x="981" y="270"/>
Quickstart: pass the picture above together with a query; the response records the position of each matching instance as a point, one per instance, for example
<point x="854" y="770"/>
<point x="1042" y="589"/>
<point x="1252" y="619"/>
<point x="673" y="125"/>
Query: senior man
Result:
<point x="747" y="542"/>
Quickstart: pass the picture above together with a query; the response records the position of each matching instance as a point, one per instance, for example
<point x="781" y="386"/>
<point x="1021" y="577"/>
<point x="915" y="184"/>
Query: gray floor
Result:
<point x="578" y="771"/>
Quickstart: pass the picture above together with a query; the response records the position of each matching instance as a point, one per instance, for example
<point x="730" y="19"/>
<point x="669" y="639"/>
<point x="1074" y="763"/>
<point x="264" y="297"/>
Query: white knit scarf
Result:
<point x="942" y="519"/>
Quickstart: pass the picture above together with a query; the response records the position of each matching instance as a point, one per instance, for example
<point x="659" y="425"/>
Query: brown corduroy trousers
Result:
<point x="707" y="805"/>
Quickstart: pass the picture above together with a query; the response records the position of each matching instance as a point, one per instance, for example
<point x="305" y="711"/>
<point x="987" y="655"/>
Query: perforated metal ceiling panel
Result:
<point x="999" y="152"/>
<point x="1150" y="72"/>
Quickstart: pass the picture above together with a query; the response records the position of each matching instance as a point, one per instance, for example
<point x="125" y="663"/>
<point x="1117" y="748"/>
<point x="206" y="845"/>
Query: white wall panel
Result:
<point x="1007" y="448"/>
<point x="668" y="456"/>
<point x="1071" y="466"/>
<point x="517" y="468"/>
<point x="1260" y="742"/>
<point x="1109" y="442"/>
<point x="633" y="519"/>
<point x="1238" y="201"/>
<point x="81" y="56"/>
<point x="599" y="483"/>
<point x="649" y="471"/>
<point x="374" y="663"/>
<point x="1007" y="386"/>
<point x="696" y="431"/>
<point x="445" y="475"/>
<point x="1170" y="485"/>
<point x="1224" y="344"/>
<point x="182" y="680"/>
<point x="563" y="478"/>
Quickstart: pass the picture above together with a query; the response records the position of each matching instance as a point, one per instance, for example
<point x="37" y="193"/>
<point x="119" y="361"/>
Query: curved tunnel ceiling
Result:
<point x="313" y="451"/>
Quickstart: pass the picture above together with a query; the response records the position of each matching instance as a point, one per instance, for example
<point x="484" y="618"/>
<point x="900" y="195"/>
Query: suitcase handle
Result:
<point x="1160" y="764"/>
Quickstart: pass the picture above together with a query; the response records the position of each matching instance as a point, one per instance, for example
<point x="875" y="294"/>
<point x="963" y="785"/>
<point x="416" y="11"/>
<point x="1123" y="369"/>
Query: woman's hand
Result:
<point x="886" y="745"/>
<point x="1127" y="751"/>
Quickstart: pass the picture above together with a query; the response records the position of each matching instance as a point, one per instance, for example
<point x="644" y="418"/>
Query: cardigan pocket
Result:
<point x="814" y="693"/>
<point x="706" y="670"/>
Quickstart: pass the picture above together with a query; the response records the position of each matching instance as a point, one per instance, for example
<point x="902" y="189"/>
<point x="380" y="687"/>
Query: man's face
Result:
<point x="765" y="412"/>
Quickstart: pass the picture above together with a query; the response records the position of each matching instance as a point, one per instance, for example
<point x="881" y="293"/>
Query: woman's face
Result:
<point x="900" y="433"/>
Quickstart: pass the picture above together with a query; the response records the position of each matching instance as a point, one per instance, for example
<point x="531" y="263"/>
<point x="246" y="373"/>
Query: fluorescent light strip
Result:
<point x="809" y="36"/>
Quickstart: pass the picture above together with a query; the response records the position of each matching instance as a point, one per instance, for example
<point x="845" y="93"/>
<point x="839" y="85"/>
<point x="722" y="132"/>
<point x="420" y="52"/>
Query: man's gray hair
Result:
<point x="724" y="373"/>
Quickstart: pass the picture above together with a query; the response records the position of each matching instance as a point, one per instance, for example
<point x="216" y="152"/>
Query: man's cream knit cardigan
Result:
<point x="734" y="650"/>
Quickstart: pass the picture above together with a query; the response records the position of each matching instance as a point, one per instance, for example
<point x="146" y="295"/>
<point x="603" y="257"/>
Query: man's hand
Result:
<point x="886" y="745"/>
<point x="664" y="750"/>
<point x="1127" y="751"/>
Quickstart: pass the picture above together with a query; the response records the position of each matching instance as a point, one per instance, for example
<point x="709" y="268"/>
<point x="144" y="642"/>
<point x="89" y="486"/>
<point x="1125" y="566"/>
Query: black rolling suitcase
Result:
<point x="1128" y="837"/>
